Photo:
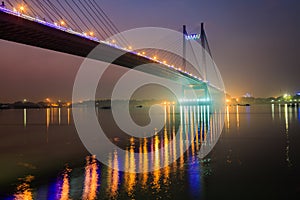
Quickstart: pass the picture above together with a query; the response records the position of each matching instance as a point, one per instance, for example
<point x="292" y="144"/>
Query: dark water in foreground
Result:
<point x="256" y="157"/>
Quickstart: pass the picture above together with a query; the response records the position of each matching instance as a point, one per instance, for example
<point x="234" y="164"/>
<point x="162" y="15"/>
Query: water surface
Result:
<point x="42" y="156"/>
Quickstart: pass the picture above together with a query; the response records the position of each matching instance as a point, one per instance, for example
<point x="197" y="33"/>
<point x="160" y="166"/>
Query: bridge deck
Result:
<point x="20" y="30"/>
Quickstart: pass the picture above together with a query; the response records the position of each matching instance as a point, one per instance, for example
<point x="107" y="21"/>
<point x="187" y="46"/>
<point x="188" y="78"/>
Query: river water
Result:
<point x="256" y="156"/>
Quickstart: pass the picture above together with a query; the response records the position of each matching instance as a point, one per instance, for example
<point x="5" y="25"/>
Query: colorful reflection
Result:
<point x="197" y="127"/>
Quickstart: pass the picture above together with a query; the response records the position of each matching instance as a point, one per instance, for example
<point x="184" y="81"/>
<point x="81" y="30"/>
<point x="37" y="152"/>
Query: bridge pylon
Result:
<point x="205" y="47"/>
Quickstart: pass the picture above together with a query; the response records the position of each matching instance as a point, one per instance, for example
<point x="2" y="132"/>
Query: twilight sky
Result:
<point x="254" y="43"/>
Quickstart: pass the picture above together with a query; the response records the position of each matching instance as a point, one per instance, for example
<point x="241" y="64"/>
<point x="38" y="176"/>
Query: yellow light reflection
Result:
<point x="68" y="110"/>
<point x="59" y="115"/>
<point x="52" y="115"/>
<point x="237" y="117"/>
<point x="174" y="141"/>
<point x="24" y="117"/>
<point x="47" y="117"/>
<point x="130" y="178"/>
<point x="109" y="172"/>
<point x="227" y="117"/>
<point x="140" y="161"/>
<point x="156" y="172"/>
<point x="286" y="117"/>
<point x="24" y="192"/>
<point x="91" y="178"/>
<point x="145" y="163"/>
<point x="166" y="157"/>
<point x="181" y="160"/>
<point x="115" y="176"/>
<point x="65" y="191"/>
<point x="287" y="148"/>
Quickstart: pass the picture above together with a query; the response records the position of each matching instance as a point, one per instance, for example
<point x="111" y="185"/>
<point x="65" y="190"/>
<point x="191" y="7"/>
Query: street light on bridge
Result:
<point x="22" y="9"/>
<point x="62" y="22"/>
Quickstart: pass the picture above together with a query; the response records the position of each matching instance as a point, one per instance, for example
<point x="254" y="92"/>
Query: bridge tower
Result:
<point x="201" y="89"/>
<point x="204" y="43"/>
<point x="184" y="33"/>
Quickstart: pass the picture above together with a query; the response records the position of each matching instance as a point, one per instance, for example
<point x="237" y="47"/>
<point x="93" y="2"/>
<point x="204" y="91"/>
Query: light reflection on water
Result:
<point x="94" y="181"/>
<point x="194" y="123"/>
<point x="91" y="178"/>
<point x="24" y="117"/>
<point x="24" y="190"/>
<point x="286" y="112"/>
<point x="65" y="187"/>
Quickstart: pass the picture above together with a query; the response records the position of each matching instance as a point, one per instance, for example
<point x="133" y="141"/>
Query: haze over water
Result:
<point x="42" y="156"/>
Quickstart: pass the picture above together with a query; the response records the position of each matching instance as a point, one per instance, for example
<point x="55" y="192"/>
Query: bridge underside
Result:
<point x="17" y="29"/>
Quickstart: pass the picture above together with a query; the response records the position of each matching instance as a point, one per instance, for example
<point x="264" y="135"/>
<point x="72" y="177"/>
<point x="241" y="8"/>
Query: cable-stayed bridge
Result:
<point x="47" y="24"/>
